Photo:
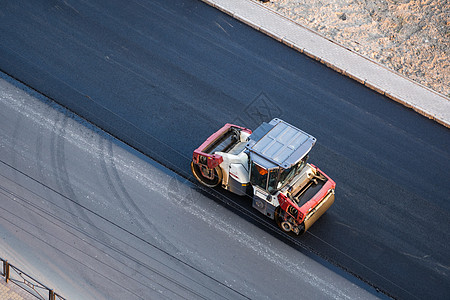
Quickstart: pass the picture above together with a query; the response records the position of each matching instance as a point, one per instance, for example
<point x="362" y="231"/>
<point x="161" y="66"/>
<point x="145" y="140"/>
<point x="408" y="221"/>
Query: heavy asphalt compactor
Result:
<point x="270" y="165"/>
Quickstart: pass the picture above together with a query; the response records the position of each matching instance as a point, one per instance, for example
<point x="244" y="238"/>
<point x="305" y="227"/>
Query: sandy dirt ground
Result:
<point x="411" y="37"/>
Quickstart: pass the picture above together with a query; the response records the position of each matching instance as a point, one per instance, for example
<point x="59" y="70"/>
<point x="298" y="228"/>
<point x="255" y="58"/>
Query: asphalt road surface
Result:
<point x="94" y="219"/>
<point x="163" y="75"/>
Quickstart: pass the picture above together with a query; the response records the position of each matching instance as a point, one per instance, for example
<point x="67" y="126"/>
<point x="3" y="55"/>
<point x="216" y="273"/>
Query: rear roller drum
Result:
<point x="207" y="177"/>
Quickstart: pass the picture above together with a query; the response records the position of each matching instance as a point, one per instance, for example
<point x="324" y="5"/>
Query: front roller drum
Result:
<point x="319" y="210"/>
<point x="206" y="176"/>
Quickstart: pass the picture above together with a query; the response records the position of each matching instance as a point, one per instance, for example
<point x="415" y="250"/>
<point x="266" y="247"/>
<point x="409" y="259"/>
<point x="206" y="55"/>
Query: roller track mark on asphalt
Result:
<point x="126" y="231"/>
<point x="112" y="177"/>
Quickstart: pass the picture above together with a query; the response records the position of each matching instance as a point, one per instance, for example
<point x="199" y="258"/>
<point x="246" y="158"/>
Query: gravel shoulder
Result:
<point x="410" y="37"/>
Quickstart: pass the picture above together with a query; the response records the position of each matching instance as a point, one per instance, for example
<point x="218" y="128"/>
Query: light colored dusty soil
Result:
<point x="411" y="37"/>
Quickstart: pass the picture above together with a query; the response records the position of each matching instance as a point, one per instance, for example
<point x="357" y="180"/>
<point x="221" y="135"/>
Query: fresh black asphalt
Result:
<point x="163" y="75"/>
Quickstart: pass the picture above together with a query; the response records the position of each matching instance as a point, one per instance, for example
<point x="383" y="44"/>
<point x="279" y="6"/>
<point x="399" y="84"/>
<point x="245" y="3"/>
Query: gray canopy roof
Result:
<point x="280" y="143"/>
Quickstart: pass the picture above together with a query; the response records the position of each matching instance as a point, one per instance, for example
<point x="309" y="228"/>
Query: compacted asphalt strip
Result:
<point x="163" y="75"/>
<point x="92" y="218"/>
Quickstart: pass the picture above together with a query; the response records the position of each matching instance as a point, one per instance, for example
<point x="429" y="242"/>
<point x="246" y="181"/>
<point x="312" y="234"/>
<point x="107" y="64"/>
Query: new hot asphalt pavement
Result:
<point x="163" y="75"/>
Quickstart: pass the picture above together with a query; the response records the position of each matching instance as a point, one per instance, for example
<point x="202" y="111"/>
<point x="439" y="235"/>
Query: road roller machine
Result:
<point x="270" y="165"/>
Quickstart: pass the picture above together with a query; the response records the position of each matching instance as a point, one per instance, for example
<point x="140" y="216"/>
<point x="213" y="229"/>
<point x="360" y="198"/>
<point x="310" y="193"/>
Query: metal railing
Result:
<point x="28" y="283"/>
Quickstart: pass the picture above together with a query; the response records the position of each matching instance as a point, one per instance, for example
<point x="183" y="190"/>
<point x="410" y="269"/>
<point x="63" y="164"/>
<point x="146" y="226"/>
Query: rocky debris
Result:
<point x="411" y="37"/>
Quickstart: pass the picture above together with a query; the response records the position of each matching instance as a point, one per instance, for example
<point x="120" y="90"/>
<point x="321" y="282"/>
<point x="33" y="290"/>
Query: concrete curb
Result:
<point x="343" y="60"/>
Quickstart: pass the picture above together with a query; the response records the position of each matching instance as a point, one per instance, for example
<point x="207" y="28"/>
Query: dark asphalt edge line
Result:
<point x="217" y="197"/>
<point x="334" y="67"/>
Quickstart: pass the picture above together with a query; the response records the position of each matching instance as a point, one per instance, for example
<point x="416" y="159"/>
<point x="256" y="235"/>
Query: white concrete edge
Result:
<point x="370" y="73"/>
